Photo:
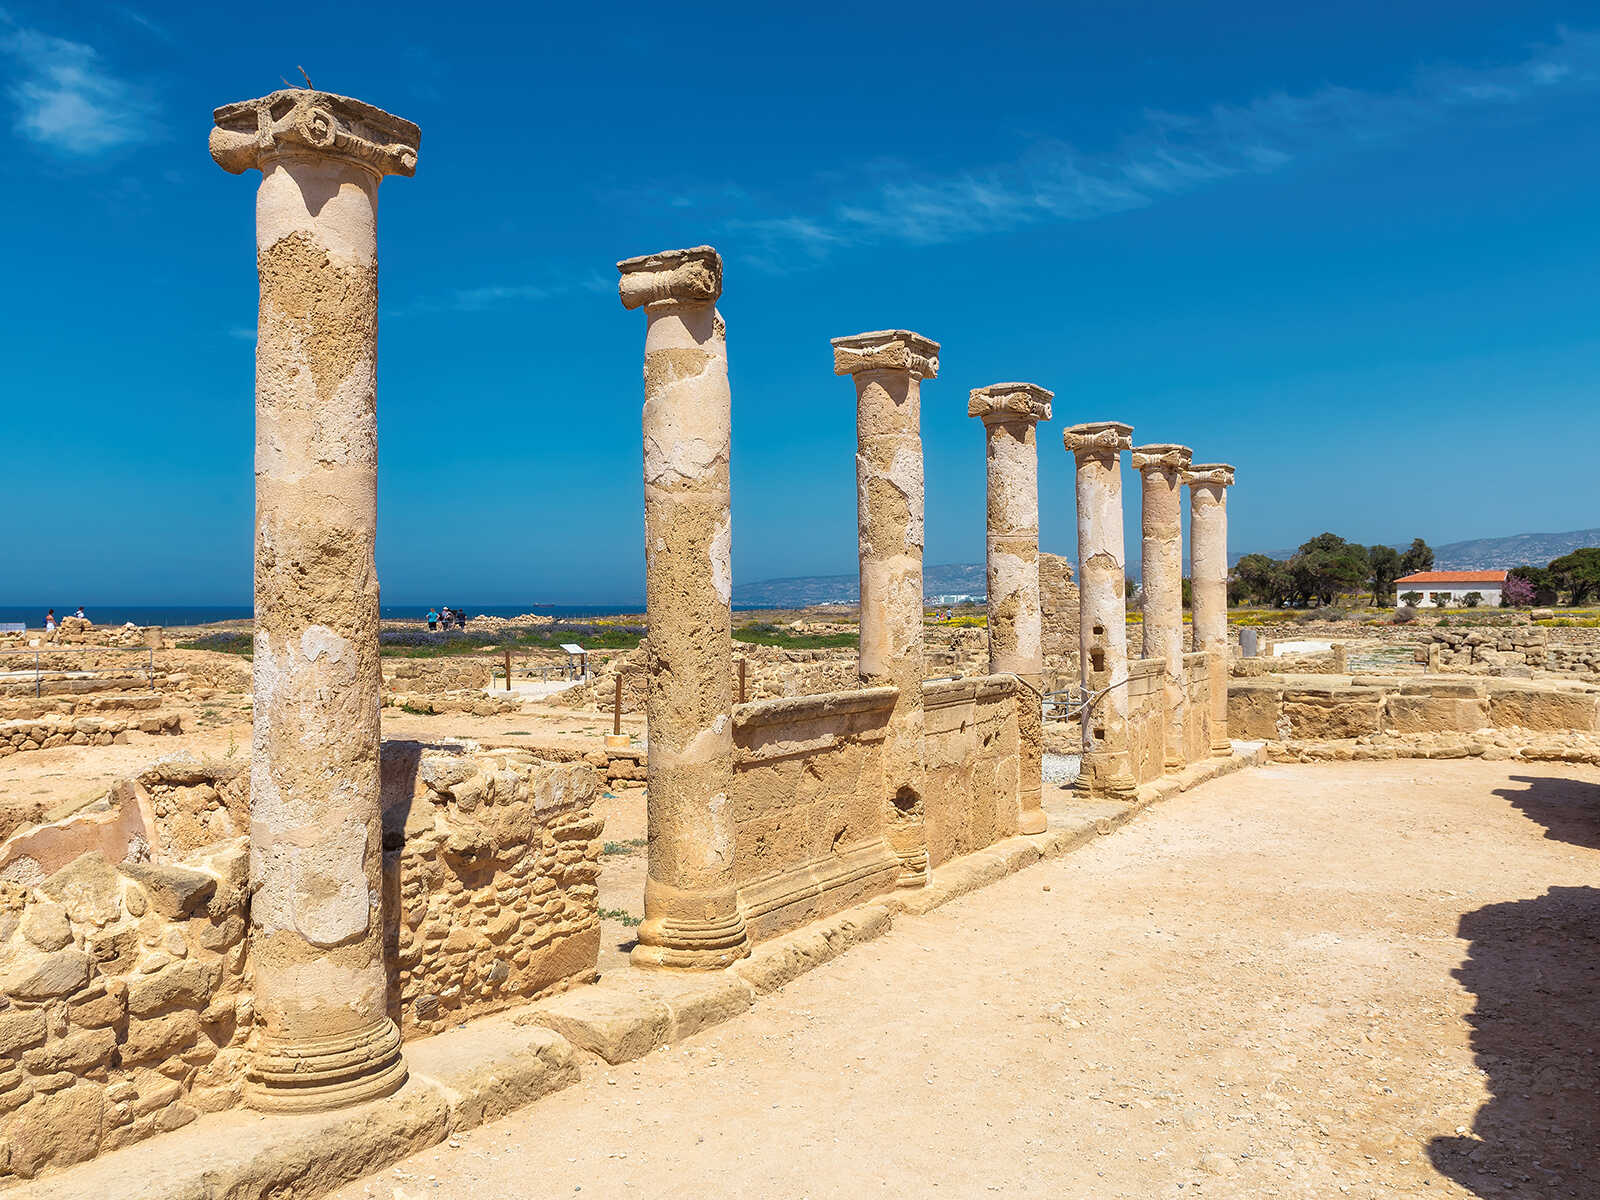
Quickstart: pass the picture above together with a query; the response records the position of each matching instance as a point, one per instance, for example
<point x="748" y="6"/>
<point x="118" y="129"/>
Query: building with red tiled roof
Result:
<point x="1449" y="589"/>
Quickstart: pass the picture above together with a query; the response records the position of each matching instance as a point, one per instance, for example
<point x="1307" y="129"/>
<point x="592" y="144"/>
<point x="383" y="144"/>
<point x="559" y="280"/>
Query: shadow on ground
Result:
<point x="1534" y="966"/>
<point x="1569" y="809"/>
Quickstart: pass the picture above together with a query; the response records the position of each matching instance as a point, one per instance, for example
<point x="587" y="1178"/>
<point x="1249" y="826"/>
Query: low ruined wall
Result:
<point x="437" y="674"/>
<point x="971" y="743"/>
<point x="1197" y="719"/>
<point x="63" y="729"/>
<point x="490" y="862"/>
<point x="125" y="986"/>
<point x="1271" y="710"/>
<point x="474" y="703"/>
<point x="1147" y="718"/>
<point x="808" y="806"/>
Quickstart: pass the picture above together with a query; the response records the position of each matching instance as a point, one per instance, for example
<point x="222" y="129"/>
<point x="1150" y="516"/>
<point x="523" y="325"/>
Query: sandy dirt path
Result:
<point x="1369" y="979"/>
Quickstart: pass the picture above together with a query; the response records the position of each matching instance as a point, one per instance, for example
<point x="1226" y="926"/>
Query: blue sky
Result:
<point x="1351" y="249"/>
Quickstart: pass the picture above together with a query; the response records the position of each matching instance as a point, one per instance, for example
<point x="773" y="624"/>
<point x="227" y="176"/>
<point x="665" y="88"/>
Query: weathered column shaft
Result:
<point x="691" y="910"/>
<point x="1107" y="768"/>
<point x="1208" y="572"/>
<point x="888" y="368"/>
<point x="1010" y="414"/>
<point x="322" y="1037"/>
<point x="1162" y="467"/>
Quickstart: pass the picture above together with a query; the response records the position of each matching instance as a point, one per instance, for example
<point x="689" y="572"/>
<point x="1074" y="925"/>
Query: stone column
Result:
<point x="1107" y="768"/>
<point x="691" y="909"/>
<point x="889" y="367"/>
<point x="1010" y="413"/>
<point x="322" y="1036"/>
<point x="1162" y="467"/>
<point x="1208" y="573"/>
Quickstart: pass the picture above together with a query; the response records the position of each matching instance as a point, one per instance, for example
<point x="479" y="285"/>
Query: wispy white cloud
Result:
<point x="1170" y="154"/>
<point x="65" y="96"/>
<point x="489" y="296"/>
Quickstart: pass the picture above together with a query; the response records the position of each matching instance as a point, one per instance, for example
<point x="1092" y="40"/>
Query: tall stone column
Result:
<point x="691" y="910"/>
<point x="1162" y="467"/>
<point x="1208" y="485"/>
<point x="1107" y="768"/>
<point x="889" y="367"/>
<point x="322" y="1037"/>
<point x="1010" y="413"/>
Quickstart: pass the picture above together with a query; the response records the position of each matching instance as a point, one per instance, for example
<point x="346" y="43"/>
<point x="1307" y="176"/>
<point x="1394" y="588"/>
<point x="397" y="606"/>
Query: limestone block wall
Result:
<point x="124" y="986"/>
<point x="808" y="808"/>
<point x="1058" y="605"/>
<point x="490" y="866"/>
<point x="1274" y="710"/>
<point x="1197" y="720"/>
<point x="125" y="959"/>
<point x="972" y="748"/>
<point x="60" y="729"/>
<point x="1147" y="715"/>
<point x="437" y="674"/>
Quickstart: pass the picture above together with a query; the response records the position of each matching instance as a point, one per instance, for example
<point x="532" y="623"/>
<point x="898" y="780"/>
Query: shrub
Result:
<point x="1411" y="599"/>
<point x="222" y="643"/>
<point x="1472" y="599"/>
<point x="1405" y="614"/>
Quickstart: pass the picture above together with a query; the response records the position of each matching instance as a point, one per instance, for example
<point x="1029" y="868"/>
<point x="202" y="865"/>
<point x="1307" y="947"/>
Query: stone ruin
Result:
<point x="203" y="939"/>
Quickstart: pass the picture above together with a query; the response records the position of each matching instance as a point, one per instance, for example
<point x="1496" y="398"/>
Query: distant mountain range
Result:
<point x="1490" y="554"/>
<point x="951" y="582"/>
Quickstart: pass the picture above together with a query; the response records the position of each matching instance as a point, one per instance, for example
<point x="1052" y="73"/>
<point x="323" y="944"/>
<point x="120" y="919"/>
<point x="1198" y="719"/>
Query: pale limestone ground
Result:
<point x="1257" y="989"/>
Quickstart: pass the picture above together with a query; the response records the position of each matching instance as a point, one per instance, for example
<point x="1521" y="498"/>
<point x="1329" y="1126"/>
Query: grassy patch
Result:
<point x="627" y="847"/>
<point x="419" y="643"/>
<point x="622" y="915"/>
<point x="763" y="633"/>
<point x="223" y="643"/>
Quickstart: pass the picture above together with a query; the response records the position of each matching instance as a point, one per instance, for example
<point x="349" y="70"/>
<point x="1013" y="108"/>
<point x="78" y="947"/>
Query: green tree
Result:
<point x="1327" y="565"/>
<point x="1577" y="574"/>
<point x="1411" y="598"/>
<point x="1384" y="564"/>
<point x="1262" y="580"/>
<point x="1418" y="558"/>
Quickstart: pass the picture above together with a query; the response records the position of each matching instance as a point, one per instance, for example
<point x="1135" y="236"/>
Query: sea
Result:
<point x="32" y="615"/>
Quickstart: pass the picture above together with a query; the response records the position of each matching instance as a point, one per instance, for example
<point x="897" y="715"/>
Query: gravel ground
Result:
<point x="1354" y="979"/>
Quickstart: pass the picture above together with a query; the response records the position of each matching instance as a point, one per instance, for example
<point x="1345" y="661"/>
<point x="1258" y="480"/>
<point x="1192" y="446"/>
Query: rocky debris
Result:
<point x="58" y="729"/>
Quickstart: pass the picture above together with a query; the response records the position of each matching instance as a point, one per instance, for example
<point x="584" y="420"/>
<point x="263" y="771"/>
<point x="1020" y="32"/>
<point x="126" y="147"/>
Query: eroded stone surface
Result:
<point x="888" y="368"/>
<point x="692" y="917"/>
<point x="1208" y="485"/>
<point x="1161" y="467"/>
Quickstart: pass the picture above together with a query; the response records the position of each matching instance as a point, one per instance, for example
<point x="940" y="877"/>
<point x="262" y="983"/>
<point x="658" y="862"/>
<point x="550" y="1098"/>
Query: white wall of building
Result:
<point x="1455" y="593"/>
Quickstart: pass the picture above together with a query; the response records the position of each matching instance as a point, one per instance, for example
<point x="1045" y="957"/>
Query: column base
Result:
<point x="316" y="1074"/>
<point x="691" y="945"/>
<point x="914" y="872"/>
<point x="1033" y="822"/>
<point x="1221" y="749"/>
<point x="1172" y="766"/>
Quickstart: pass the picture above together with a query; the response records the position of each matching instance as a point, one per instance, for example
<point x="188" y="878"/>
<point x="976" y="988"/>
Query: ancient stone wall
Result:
<point x="971" y="743"/>
<point x="59" y="729"/>
<point x="437" y="674"/>
<point x="491" y="862"/>
<point x="808" y="806"/>
<point x="126" y="988"/>
<point x="1197" y="718"/>
<point x="1058" y="602"/>
<point x="1275" y="710"/>
<point x="1147" y="717"/>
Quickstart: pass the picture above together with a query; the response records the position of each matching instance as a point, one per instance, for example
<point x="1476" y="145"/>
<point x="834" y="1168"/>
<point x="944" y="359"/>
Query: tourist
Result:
<point x="433" y="620"/>
<point x="444" y="617"/>
<point x="50" y="621"/>
<point x="79" y="614"/>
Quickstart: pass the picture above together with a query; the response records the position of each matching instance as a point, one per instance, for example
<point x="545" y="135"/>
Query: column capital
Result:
<point x="689" y="278"/>
<point x="886" y="350"/>
<point x="1095" y="439"/>
<point x="1220" y="474"/>
<point x="1164" y="456"/>
<point x="298" y="121"/>
<point x="1000" y="400"/>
